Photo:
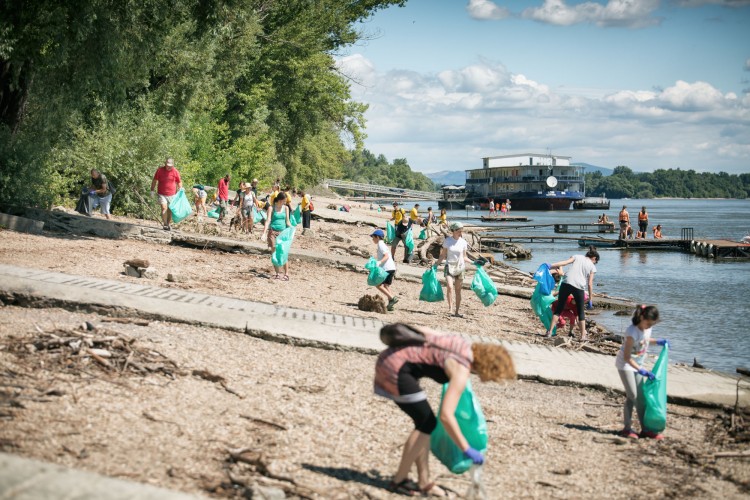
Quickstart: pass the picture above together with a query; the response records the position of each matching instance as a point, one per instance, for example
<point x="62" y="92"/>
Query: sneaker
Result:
<point x="652" y="435"/>
<point x="392" y="303"/>
<point x="628" y="433"/>
<point x="167" y="228"/>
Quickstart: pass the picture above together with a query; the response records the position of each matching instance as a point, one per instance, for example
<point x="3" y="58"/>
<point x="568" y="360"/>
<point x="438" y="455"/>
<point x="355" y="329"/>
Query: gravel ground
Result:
<point x="310" y="412"/>
<point x="313" y="415"/>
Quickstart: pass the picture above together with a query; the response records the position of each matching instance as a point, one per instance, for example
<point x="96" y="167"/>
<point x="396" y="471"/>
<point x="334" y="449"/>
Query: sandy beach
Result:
<point x="307" y="418"/>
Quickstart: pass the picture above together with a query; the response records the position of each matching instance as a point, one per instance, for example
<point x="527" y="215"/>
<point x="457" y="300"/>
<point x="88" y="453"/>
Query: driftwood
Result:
<point x="264" y="422"/>
<point x="139" y="322"/>
<point x="353" y="250"/>
<point x="212" y="377"/>
<point x="731" y="454"/>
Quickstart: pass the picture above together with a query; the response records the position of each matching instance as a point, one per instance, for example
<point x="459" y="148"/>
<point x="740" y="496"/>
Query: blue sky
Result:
<point x="644" y="83"/>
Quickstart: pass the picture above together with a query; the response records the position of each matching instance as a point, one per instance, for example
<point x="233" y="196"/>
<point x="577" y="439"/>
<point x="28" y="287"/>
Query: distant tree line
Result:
<point x="367" y="168"/>
<point x="247" y="87"/>
<point x="671" y="183"/>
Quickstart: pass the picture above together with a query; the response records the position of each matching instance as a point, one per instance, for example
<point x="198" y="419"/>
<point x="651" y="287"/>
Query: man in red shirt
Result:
<point x="169" y="182"/>
<point x="223" y="196"/>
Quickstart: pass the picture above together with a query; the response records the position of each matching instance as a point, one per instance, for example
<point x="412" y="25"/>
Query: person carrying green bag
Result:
<point x="385" y="265"/>
<point x="634" y="376"/>
<point x="483" y="286"/>
<point x="454" y="255"/>
<point x="416" y="352"/>
<point x="277" y="220"/>
<point x="431" y="289"/>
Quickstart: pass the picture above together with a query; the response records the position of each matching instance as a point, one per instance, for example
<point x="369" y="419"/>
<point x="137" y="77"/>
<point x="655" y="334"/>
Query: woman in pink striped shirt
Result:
<point x="445" y="359"/>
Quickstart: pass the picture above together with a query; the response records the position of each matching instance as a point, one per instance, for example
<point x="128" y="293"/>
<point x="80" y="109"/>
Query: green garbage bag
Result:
<point x="258" y="217"/>
<point x="283" y="244"/>
<point x="655" y="395"/>
<point x="390" y="232"/>
<point x="180" y="207"/>
<point x="377" y="274"/>
<point x="214" y="214"/>
<point x="431" y="289"/>
<point x="484" y="287"/>
<point x="541" y="305"/>
<point x="473" y="426"/>
<point x="296" y="216"/>
<point x="409" y="241"/>
<point x="422" y="235"/>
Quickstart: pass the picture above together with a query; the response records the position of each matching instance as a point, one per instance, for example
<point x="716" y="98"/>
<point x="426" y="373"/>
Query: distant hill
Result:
<point x="588" y="168"/>
<point x="448" y="177"/>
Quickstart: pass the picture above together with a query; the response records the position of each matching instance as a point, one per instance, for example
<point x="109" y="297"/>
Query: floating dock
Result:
<point x="504" y="218"/>
<point x="585" y="228"/>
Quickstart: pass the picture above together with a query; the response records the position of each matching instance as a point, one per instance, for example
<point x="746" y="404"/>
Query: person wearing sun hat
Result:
<point x="385" y="260"/>
<point x="454" y="255"/>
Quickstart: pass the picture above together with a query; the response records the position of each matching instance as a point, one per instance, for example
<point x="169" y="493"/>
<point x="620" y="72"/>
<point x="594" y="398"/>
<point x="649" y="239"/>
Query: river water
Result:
<point x="703" y="303"/>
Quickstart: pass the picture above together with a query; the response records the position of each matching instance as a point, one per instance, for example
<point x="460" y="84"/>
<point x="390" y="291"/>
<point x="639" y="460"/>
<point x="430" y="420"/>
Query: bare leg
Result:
<point x="165" y="213"/>
<point x="416" y="446"/>
<point x="458" y="284"/>
<point x="385" y="291"/>
<point x="555" y="319"/>
<point x="449" y="283"/>
<point x="582" y="323"/>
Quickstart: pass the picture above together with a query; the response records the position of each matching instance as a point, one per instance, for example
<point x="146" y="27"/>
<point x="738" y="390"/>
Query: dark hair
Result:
<point x="280" y="197"/>
<point x="642" y="311"/>
<point x="593" y="253"/>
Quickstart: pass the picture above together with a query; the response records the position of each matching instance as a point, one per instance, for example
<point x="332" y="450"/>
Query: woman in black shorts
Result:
<point x="445" y="359"/>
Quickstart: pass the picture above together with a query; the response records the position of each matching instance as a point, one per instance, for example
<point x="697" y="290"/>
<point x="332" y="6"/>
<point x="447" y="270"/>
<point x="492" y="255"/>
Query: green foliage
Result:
<point x="247" y="87"/>
<point x="673" y="183"/>
<point x="367" y="168"/>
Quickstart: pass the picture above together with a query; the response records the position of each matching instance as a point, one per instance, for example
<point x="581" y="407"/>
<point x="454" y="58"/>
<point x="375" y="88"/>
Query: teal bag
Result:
<point x="390" y="232"/>
<point x="431" y="289"/>
<point x="541" y="305"/>
<point x="377" y="274"/>
<point x="283" y="244"/>
<point x="422" y="235"/>
<point x="258" y="217"/>
<point x="484" y="287"/>
<point x="409" y="241"/>
<point x="296" y="216"/>
<point x="214" y="214"/>
<point x="473" y="426"/>
<point x="180" y="207"/>
<point x="655" y="395"/>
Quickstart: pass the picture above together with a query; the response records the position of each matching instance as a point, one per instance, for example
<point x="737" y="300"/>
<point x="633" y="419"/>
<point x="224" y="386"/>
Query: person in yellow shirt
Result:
<point x="274" y="194"/>
<point x="414" y="215"/>
<point x="397" y="214"/>
<point x="305" y="207"/>
<point x="443" y="217"/>
<point x="402" y="226"/>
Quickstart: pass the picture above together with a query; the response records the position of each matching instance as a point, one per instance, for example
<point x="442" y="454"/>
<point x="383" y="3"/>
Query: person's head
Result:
<point x="658" y="226"/>
<point x="254" y="182"/>
<point x="644" y="313"/>
<point x="456" y="228"/>
<point x="492" y="362"/>
<point x="301" y="192"/>
<point x="227" y="177"/>
<point x="169" y="163"/>
<point x="395" y="204"/>
<point x="248" y="186"/>
<point x="593" y="254"/>
<point x="377" y="235"/>
<point x="416" y="205"/>
<point x="280" y="198"/>
<point x="643" y="209"/>
<point x="429" y="209"/>
<point x="624" y="207"/>
<point x="442" y="211"/>
<point x="95" y="173"/>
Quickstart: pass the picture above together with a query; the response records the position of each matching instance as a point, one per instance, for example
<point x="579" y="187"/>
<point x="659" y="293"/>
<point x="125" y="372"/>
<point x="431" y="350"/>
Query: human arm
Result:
<point x="591" y="290"/>
<point x="287" y="210"/>
<point x="562" y="263"/>
<point x="628" y="346"/>
<point x="659" y="342"/>
<point x="443" y="255"/>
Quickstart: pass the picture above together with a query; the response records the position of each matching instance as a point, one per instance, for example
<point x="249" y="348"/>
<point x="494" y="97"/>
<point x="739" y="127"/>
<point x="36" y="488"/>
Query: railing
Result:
<point x="386" y="190"/>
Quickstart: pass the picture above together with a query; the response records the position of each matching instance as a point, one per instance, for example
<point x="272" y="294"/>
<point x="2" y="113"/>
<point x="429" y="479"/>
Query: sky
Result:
<point x="649" y="84"/>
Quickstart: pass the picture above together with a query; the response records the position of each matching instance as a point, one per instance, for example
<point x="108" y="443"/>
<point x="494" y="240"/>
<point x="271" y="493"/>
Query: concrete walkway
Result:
<point x="26" y="479"/>
<point x="334" y="331"/>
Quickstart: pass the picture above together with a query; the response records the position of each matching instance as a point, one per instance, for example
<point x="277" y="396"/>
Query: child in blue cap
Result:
<point x="385" y="260"/>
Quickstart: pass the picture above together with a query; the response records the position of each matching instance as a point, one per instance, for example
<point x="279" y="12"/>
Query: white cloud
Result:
<point x="723" y="3"/>
<point x="486" y="9"/>
<point x="747" y="64"/>
<point x="624" y="13"/>
<point x="449" y="120"/>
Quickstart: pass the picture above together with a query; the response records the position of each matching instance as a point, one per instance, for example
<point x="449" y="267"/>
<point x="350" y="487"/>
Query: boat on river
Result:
<point x="530" y="181"/>
<point x="592" y="203"/>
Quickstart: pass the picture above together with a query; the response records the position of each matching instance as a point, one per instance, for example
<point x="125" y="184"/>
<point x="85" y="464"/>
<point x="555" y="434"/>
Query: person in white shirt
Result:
<point x="454" y="255"/>
<point x="249" y="206"/>
<point x="385" y="260"/>
<point x="629" y="363"/>
<point x="580" y="276"/>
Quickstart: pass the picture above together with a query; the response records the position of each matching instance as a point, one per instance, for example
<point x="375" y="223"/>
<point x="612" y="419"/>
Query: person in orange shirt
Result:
<point x="657" y="232"/>
<point x="624" y="222"/>
<point x="642" y="223"/>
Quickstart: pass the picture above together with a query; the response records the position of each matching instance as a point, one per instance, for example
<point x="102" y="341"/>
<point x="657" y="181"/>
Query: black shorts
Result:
<point x="579" y="296"/>
<point x="643" y="225"/>
<point x="408" y="383"/>
<point x="389" y="279"/>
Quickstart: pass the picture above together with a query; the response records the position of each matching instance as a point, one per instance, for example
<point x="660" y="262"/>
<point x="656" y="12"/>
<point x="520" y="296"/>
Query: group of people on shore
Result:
<point x="626" y="229"/>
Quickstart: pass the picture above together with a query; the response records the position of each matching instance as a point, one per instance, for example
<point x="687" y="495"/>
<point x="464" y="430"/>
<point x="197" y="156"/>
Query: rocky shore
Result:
<point x="222" y="414"/>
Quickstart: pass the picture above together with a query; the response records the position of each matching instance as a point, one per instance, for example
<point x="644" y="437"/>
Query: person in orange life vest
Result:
<point x="642" y="223"/>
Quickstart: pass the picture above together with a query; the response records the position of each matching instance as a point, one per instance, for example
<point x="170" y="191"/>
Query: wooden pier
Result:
<point x="504" y="218"/>
<point x="585" y="228"/>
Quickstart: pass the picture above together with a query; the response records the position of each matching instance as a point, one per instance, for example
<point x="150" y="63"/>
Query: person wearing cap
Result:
<point x="385" y="260"/>
<point x="402" y="226"/>
<point x="454" y="255"/>
<point x="254" y="187"/>
<point x="169" y="183"/>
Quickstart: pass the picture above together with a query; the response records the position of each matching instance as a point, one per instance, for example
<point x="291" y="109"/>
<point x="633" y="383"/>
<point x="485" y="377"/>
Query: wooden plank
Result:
<point x="21" y="224"/>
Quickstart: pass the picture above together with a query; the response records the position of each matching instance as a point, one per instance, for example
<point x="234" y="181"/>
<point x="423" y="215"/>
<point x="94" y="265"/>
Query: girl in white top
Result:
<point x="385" y="260"/>
<point x="249" y="205"/>
<point x="629" y="363"/>
<point x="454" y="255"/>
